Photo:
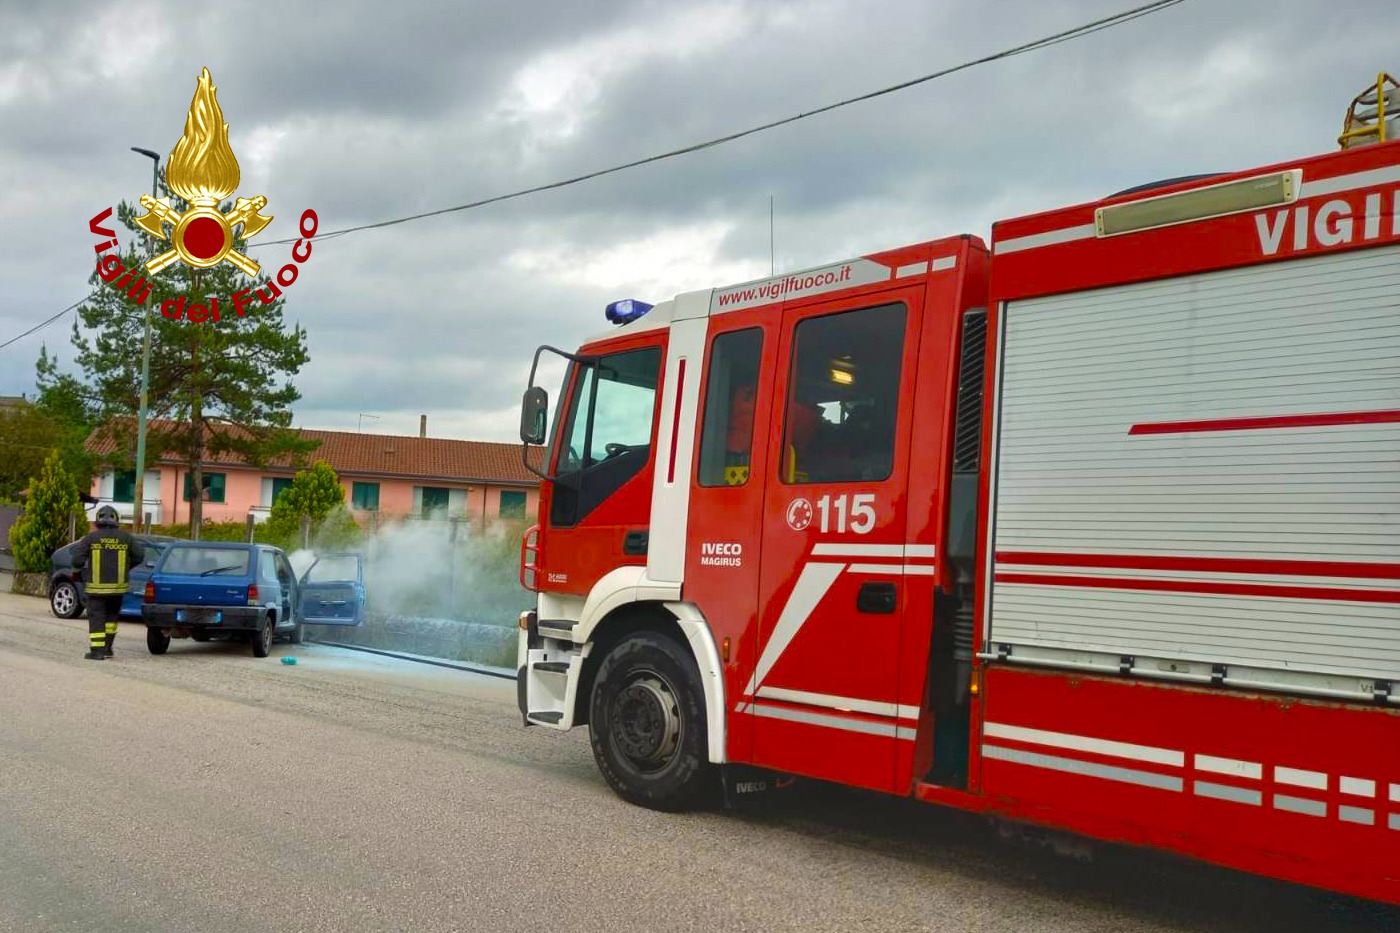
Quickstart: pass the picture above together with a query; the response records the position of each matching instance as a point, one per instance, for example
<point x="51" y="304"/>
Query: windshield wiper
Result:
<point x="238" y="567"/>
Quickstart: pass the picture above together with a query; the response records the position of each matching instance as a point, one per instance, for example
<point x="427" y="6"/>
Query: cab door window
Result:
<point x="726" y="436"/>
<point x="606" y="439"/>
<point x="843" y="397"/>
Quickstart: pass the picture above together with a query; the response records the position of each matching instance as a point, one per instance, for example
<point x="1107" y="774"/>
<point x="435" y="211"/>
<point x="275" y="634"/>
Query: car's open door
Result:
<point x="333" y="591"/>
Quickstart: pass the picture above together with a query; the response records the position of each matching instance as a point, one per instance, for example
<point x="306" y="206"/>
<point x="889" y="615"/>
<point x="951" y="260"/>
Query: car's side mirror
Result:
<point x="534" y="415"/>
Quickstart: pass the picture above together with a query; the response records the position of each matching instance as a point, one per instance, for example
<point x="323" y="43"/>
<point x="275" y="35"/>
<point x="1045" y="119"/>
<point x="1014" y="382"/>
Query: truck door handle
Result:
<point x="635" y="542"/>
<point x="877" y="598"/>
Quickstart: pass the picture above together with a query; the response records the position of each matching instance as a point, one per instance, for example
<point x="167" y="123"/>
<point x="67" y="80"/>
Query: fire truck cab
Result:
<point x="733" y="471"/>
<point x="1096" y="527"/>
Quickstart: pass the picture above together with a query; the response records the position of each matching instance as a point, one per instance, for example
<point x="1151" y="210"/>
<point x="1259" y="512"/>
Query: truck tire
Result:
<point x="65" y="601"/>
<point x="263" y="638"/>
<point x="647" y="725"/>
<point x="156" y="640"/>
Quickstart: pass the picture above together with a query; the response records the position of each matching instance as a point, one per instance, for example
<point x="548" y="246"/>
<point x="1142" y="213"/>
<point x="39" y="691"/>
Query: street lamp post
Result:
<point x="140" y="509"/>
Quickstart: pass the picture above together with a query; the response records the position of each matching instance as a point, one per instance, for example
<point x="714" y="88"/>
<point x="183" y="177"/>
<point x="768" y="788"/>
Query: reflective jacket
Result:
<point x="105" y="557"/>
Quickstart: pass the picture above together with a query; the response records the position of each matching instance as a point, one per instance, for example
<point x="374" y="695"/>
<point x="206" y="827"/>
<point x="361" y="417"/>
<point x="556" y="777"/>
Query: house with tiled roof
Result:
<point x="384" y="475"/>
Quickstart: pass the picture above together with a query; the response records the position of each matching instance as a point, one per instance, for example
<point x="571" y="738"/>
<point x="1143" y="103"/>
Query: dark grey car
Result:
<point x="66" y="598"/>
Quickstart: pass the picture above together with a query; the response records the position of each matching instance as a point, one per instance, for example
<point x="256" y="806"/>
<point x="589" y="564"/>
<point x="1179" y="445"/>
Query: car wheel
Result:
<point x="157" y="641"/>
<point x="262" y="640"/>
<point x="65" y="601"/>
<point x="647" y="724"/>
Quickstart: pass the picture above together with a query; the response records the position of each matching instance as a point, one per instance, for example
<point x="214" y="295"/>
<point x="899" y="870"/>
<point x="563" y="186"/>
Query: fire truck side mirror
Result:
<point x="534" y="415"/>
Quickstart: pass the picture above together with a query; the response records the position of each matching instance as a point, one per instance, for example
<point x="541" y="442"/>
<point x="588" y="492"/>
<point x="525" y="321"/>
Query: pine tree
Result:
<point x="215" y="387"/>
<point x="61" y="395"/>
<point x="43" y="528"/>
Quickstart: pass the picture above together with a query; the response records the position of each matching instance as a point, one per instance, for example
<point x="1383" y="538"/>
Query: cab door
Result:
<point x="595" y="514"/>
<point x="831" y="583"/>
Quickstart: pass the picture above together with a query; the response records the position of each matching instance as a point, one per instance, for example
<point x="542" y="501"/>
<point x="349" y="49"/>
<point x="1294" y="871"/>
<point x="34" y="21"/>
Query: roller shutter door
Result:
<point x="1206" y="468"/>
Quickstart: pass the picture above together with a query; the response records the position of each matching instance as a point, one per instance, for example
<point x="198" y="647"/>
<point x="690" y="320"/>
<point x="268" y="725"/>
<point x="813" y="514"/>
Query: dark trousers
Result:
<point x="102" y="612"/>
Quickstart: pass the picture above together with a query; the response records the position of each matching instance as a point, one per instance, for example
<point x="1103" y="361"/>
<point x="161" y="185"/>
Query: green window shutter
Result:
<point x="279" y="483"/>
<point x="124" y="486"/>
<point x="213" y="485"/>
<point x="512" y="504"/>
<point x="435" y="502"/>
<point x="364" y="496"/>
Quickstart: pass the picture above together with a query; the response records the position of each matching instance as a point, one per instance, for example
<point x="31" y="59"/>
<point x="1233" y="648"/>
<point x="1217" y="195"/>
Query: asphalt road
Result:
<point x="206" y="790"/>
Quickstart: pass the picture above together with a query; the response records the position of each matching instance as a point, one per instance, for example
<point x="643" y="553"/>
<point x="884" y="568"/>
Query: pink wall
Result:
<point x="396" y="498"/>
<point x="243" y="490"/>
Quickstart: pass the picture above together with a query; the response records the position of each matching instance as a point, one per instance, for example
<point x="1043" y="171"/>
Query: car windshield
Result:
<point x="333" y="567"/>
<point x="206" y="561"/>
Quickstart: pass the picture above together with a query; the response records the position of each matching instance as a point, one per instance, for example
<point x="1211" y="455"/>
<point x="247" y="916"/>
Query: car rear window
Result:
<point x="206" y="561"/>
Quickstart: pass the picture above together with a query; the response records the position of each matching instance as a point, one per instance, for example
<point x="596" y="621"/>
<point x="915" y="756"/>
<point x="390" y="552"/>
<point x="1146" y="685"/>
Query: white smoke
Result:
<point x="438" y="569"/>
<point x="301" y="561"/>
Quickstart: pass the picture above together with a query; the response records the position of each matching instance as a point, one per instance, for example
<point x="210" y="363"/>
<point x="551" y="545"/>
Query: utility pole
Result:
<point x="139" y="511"/>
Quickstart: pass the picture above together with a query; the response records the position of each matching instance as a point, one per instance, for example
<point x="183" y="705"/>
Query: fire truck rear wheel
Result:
<point x="647" y="724"/>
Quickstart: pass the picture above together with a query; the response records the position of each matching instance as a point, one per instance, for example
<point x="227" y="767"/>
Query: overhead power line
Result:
<point x="1078" y="32"/>
<point x="45" y="322"/>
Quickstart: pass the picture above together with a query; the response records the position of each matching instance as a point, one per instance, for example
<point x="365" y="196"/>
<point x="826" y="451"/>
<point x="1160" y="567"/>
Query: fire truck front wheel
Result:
<point x="647" y="724"/>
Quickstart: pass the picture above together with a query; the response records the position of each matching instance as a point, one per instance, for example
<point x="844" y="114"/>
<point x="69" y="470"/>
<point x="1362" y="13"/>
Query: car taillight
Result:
<point x="252" y="594"/>
<point x="150" y="592"/>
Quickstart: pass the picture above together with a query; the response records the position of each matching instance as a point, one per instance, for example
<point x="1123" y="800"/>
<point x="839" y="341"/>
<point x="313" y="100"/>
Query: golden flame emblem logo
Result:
<point x="203" y="170"/>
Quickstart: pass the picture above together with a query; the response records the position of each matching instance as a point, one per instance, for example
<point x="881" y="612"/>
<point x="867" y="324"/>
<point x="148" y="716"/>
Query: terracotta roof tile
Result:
<point x="356" y="454"/>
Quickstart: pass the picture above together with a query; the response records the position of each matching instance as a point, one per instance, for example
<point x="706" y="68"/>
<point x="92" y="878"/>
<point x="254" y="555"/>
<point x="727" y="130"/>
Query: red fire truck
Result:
<point x="1096" y="527"/>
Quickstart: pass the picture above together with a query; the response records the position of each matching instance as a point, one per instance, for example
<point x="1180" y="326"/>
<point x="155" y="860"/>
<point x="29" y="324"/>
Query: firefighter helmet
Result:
<point x="107" y="517"/>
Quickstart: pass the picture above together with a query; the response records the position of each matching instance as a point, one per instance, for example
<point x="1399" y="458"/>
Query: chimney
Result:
<point x="422" y="425"/>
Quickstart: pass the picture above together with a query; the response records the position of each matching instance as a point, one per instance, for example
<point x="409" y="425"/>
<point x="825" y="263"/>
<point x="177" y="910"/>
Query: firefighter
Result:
<point x="105" y="557"/>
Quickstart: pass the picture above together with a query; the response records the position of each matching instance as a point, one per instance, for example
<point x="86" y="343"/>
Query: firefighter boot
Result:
<point x="97" y="634"/>
<point x="111" y="637"/>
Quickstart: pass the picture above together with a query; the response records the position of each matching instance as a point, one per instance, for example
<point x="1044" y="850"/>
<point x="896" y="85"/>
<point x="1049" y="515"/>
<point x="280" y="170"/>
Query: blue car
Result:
<point x="246" y="592"/>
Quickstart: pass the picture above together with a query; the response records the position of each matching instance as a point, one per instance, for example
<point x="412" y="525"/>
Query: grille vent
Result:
<point x="972" y="367"/>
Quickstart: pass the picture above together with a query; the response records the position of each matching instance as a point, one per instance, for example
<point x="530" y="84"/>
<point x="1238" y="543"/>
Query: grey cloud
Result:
<point x="365" y="111"/>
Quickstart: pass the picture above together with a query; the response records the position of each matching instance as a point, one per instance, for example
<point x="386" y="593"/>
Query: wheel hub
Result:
<point x="63" y="598"/>
<point x="646" y="723"/>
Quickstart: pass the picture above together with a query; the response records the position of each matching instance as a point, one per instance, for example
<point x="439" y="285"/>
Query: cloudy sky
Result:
<point x="369" y="110"/>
